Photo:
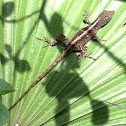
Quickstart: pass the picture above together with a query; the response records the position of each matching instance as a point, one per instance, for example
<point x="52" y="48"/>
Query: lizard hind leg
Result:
<point x="82" y="50"/>
<point x="64" y="39"/>
<point x="60" y="37"/>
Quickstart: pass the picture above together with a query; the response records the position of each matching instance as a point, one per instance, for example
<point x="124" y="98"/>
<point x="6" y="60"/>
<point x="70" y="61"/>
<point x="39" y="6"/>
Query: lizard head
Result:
<point x="105" y="17"/>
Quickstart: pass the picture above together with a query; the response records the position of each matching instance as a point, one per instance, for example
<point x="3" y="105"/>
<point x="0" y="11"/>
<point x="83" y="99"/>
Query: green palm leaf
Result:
<point x="75" y="92"/>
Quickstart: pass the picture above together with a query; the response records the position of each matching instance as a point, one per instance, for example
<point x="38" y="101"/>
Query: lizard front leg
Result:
<point x="98" y="39"/>
<point x="60" y="37"/>
<point x="86" y="18"/>
<point x="94" y="33"/>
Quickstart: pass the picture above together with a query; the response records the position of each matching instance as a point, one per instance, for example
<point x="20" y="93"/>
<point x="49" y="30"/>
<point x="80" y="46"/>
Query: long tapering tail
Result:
<point x="64" y="53"/>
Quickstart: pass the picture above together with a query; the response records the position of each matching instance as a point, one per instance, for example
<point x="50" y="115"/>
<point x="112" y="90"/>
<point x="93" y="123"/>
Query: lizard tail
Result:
<point x="64" y="53"/>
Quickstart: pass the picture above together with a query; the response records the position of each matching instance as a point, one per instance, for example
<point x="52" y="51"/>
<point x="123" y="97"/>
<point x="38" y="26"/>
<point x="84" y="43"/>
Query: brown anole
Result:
<point x="77" y="44"/>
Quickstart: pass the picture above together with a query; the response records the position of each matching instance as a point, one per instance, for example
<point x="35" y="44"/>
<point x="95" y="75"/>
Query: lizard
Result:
<point x="77" y="44"/>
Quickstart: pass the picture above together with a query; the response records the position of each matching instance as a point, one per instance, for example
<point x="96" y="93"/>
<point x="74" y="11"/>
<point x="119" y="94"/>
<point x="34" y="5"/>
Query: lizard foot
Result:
<point x="80" y="57"/>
